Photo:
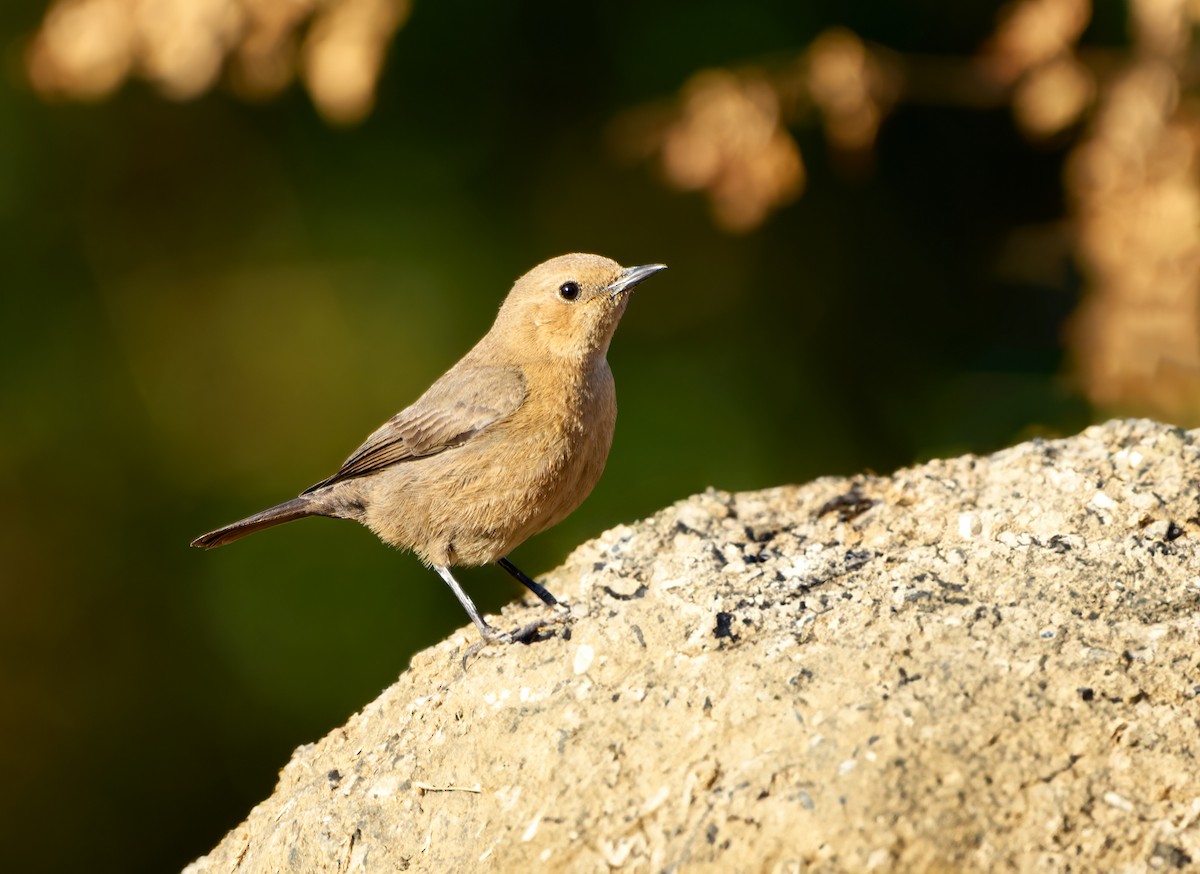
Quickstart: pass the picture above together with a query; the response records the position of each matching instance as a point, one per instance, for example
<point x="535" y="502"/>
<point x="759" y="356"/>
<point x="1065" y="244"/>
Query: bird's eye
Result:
<point x="569" y="290"/>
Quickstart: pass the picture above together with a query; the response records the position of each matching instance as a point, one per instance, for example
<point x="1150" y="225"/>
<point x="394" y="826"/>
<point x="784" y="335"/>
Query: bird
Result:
<point x="505" y="444"/>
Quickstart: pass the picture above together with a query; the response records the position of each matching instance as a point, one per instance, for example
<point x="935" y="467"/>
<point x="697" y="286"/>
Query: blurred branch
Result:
<point x="1131" y="179"/>
<point x="86" y="49"/>
<point x="726" y="133"/>
<point x="1132" y="184"/>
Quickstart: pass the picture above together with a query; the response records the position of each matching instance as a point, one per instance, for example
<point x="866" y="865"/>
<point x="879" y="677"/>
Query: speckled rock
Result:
<point x="979" y="664"/>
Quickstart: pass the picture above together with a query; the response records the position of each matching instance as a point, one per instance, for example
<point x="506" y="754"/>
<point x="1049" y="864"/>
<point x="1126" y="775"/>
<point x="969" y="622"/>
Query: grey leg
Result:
<point x="490" y="634"/>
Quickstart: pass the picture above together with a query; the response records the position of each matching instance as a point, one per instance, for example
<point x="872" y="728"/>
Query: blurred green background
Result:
<point x="208" y="303"/>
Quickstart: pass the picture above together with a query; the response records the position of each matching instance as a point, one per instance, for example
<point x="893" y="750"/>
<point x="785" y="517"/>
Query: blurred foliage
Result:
<point x="895" y="230"/>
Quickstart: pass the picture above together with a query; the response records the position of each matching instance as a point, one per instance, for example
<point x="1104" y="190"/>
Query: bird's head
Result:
<point x="568" y="306"/>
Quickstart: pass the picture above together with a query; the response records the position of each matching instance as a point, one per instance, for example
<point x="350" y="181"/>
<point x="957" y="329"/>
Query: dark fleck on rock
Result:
<point x="856" y="558"/>
<point x="849" y="506"/>
<point x="760" y="535"/>
<point x="640" y="592"/>
<point x="637" y="632"/>
<point x="1171" y="856"/>
<point x="724" y="626"/>
<point x="1058" y="544"/>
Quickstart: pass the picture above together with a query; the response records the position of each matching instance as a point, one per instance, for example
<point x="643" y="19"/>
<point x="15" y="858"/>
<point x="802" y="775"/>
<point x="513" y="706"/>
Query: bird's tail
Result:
<point x="296" y="508"/>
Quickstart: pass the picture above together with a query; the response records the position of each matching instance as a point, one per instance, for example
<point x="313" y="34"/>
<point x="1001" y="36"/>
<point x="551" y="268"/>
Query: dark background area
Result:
<point x="208" y="304"/>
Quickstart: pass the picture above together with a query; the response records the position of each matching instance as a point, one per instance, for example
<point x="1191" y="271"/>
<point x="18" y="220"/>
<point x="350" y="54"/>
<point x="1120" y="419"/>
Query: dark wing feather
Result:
<point x="461" y="404"/>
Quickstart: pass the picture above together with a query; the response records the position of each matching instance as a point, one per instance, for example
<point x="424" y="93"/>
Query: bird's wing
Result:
<point x="461" y="404"/>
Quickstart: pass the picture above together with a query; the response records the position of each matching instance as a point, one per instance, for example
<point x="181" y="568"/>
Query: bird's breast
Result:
<point x="566" y="434"/>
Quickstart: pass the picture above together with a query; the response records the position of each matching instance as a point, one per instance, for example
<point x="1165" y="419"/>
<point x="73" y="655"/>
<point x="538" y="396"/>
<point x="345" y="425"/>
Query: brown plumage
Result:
<point x="505" y="444"/>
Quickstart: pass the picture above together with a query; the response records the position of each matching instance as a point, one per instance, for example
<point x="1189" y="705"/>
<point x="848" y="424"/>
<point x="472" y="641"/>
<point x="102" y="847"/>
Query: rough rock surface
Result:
<point x="977" y="664"/>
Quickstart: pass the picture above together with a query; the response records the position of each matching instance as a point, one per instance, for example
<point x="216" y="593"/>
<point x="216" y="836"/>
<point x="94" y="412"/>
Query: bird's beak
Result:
<point x="630" y="277"/>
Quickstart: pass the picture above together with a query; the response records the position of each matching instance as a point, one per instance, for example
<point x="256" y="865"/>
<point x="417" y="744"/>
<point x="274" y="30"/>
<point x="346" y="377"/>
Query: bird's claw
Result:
<point x="525" y="634"/>
<point x="495" y="635"/>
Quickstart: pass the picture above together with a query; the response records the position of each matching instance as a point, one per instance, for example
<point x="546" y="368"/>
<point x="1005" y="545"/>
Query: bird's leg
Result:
<point x="538" y="589"/>
<point x="532" y="585"/>
<point x="487" y="632"/>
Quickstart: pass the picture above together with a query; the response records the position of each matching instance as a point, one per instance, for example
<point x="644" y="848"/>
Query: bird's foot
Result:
<point x="526" y="633"/>
<point x="488" y="635"/>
